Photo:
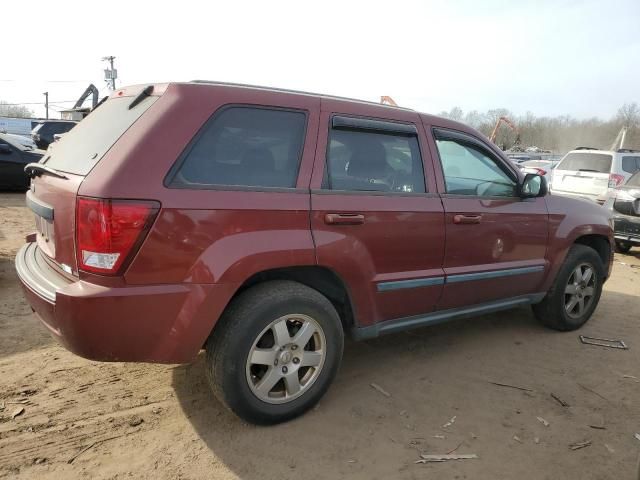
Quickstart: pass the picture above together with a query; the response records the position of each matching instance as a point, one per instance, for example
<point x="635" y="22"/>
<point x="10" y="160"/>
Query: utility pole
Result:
<point x="110" y="74"/>
<point x="46" y="103"/>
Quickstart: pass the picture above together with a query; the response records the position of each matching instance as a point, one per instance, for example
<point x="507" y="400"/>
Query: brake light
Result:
<point x="108" y="232"/>
<point x="615" y="180"/>
<point x="541" y="171"/>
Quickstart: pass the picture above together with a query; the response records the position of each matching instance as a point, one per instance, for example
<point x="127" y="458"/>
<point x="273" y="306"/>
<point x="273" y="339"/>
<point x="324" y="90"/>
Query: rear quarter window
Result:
<point x="593" y="162"/>
<point x="244" y="146"/>
<point x="631" y="164"/>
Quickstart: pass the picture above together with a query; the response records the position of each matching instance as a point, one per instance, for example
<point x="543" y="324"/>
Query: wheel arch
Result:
<point x="322" y="279"/>
<point x="600" y="244"/>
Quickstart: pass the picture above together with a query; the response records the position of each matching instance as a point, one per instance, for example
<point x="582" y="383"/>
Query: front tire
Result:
<point x="575" y="293"/>
<point x="274" y="352"/>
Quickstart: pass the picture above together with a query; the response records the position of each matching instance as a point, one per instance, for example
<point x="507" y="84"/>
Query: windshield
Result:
<point x="79" y="150"/>
<point x="586" y="161"/>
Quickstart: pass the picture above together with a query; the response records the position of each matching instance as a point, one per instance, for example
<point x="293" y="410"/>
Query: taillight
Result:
<point x="541" y="171"/>
<point x="108" y="232"/>
<point x="615" y="180"/>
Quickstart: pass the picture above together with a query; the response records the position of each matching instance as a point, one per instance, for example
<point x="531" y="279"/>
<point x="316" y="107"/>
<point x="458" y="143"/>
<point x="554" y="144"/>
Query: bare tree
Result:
<point x="629" y="115"/>
<point x="558" y="134"/>
<point x="17" y="111"/>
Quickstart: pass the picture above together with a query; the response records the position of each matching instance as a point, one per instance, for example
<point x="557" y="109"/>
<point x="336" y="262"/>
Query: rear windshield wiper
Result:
<point x="588" y="170"/>
<point x="37" y="169"/>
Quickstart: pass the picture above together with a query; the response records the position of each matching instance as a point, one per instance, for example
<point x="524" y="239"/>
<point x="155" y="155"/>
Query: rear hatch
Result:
<point x="53" y="193"/>
<point x="583" y="173"/>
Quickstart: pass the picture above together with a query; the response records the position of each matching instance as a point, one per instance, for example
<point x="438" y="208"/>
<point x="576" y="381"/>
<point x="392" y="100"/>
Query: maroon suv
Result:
<point x="262" y="225"/>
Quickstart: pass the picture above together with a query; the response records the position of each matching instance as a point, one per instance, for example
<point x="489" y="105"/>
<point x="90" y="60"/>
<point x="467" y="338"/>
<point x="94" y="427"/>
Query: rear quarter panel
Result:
<point x="203" y="237"/>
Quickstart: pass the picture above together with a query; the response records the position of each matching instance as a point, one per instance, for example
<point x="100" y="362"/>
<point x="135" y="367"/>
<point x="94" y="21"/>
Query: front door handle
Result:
<point x="344" y="218"/>
<point x="467" y="219"/>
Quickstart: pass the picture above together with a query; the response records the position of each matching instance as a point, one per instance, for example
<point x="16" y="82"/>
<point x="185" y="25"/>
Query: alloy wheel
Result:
<point x="286" y="358"/>
<point x="580" y="290"/>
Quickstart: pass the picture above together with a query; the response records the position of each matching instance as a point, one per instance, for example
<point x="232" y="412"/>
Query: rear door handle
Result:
<point x="467" y="219"/>
<point x="344" y="218"/>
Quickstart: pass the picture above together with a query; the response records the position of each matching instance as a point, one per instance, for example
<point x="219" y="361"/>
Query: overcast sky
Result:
<point x="549" y="57"/>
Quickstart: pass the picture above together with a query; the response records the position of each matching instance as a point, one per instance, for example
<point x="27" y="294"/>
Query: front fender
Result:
<point x="569" y="220"/>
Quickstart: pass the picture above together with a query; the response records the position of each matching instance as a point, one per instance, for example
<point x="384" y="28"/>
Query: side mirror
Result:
<point x="533" y="186"/>
<point x="5" y="149"/>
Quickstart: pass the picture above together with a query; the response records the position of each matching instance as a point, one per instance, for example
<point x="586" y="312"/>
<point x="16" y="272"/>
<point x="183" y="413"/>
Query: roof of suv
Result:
<point x="440" y="120"/>
<point x="297" y="92"/>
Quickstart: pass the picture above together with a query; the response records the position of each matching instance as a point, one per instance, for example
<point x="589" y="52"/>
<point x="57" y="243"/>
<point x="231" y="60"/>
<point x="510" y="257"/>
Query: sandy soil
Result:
<point x="108" y="421"/>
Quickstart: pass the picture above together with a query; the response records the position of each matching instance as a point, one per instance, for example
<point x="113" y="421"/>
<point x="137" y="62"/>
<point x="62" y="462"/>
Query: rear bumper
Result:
<point x="627" y="229"/>
<point x="155" y="323"/>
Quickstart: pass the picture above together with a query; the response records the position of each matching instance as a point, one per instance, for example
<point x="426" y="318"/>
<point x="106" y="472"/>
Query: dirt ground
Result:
<point x="84" y="419"/>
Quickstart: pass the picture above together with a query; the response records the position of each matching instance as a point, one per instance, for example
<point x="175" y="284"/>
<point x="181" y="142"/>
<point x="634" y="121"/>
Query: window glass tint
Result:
<point x="588" y="162"/>
<point x="630" y="164"/>
<point x="367" y="161"/>
<point x="634" y="180"/>
<point x="469" y="171"/>
<point x="246" y="147"/>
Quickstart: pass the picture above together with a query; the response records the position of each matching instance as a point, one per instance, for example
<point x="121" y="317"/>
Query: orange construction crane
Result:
<point x="384" y="100"/>
<point x="510" y="124"/>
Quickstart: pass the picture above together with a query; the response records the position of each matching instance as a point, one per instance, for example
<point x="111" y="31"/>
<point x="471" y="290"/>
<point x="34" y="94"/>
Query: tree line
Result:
<point x="15" y="111"/>
<point x="558" y="134"/>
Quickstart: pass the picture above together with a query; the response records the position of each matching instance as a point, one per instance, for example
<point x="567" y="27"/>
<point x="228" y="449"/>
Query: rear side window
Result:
<point x="586" y="162"/>
<point x="631" y="164"/>
<point x="245" y="146"/>
<point x="367" y="161"/>
<point x="79" y="150"/>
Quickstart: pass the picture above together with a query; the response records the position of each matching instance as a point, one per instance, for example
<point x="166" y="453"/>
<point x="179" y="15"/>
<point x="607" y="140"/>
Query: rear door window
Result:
<point x="586" y="162"/>
<point x="360" y="160"/>
<point x="631" y="164"/>
<point x="79" y="150"/>
<point x="244" y="146"/>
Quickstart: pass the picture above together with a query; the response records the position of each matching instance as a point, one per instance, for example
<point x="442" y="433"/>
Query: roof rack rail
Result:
<point x="585" y="148"/>
<point x="627" y="150"/>
<point x="298" y="92"/>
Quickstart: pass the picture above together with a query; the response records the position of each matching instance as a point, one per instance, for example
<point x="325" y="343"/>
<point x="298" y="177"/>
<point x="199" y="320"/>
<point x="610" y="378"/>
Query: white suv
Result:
<point x="590" y="173"/>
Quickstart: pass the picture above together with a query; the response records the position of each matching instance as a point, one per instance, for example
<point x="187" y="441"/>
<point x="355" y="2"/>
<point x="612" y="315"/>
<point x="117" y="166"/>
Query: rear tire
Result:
<point x="274" y="352"/>
<point x="573" y="297"/>
<point x="622" y="247"/>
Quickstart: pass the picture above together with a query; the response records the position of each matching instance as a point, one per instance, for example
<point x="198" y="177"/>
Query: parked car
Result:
<point x="518" y="157"/>
<point x="591" y="173"/>
<point x="13" y="158"/>
<point x="624" y="204"/>
<point x="43" y="133"/>
<point x="26" y="142"/>
<point x="541" y="167"/>
<point x="268" y="224"/>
